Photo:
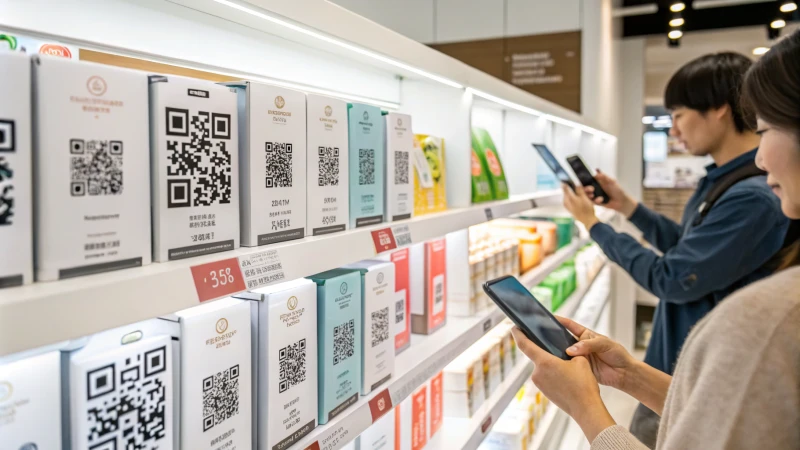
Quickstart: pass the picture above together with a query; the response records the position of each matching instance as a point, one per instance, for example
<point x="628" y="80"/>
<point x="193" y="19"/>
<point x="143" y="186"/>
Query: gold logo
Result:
<point x="328" y="111"/>
<point x="280" y="102"/>
<point x="5" y="390"/>
<point x="399" y="122"/>
<point x="222" y="325"/>
<point x="292" y="303"/>
<point x="96" y="85"/>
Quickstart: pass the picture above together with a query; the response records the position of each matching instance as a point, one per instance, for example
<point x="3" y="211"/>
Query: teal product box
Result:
<point x="366" y="128"/>
<point x="338" y="340"/>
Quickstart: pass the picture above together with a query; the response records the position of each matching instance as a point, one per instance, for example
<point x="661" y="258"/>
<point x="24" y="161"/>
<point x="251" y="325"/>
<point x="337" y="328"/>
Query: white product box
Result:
<point x="195" y="167"/>
<point x="377" y="289"/>
<point x="510" y="433"/>
<point x="285" y="348"/>
<point x="464" y="388"/>
<point x="272" y="154"/>
<point x="91" y="163"/>
<point x="215" y="382"/>
<point x="379" y="436"/>
<point x="399" y="202"/>
<point x="127" y="367"/>
<point x="16" y="203"/>
<point x="30" y="402"/>
<point x="460" y="300"/>
<point x="327" y="195"/>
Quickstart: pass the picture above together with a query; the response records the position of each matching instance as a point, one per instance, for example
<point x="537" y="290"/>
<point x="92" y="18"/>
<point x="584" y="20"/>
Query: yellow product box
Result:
<point x="429" y="177"/>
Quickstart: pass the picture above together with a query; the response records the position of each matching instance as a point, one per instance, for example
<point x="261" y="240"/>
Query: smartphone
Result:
<point x="530" y="316"/>
<point x="553" y="164"/>
<point x="585" y="176"/>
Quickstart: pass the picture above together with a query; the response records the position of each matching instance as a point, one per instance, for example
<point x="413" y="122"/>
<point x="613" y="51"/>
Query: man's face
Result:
<point x="699" y="132"/>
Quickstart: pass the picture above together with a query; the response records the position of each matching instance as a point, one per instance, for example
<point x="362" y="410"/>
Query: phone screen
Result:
<point x="580" y="169"/>
<point x="553" y="164"/>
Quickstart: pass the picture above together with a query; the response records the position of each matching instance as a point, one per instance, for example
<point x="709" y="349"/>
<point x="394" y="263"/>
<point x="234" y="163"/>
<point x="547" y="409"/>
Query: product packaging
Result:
<point x="490" y="158"/>
<point x="413" y="424"/>
<point x="436" y="404"/>
<point x="429" y="311"/>
<point x="464" y="392"/>
<point x="366" y="130"/>
<point x="481" y="189"/>
<point x="327" y="165"/>
<point x="429" y="175"/>
<point x="399" y="175"/>
<point x="92" y="168"/>
<point x="460" y="298"/>
<point x="510" y="433"/>
<point x="272" y="154"/>
<point x="339" y="340"/>
<point x="379" y="436"/>
<point x="402" y="307"/>
<point x="16" y="204"/>
<point x="195" y="167"/>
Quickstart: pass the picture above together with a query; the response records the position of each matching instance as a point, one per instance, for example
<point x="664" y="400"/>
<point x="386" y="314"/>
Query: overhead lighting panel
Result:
<point x="677" y="22"/>
<point x="778" y="23"/>
<point x="677" y="7"/>
<point x="788" y="7"/>
<point x="675" y="34"/>
<point x="758" y="51"/>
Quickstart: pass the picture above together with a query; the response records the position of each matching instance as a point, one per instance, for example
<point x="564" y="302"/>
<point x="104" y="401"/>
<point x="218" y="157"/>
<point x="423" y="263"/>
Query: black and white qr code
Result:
<point x="220" y="397"/>
<point x="95" y="167"/>
<point x="199" y="164"/>
<point x="366" y="166"/>
<point x="328" y="166"/>
<point x="344" y="341"/>
<point x="291" y="365"/>
<point x="278" y="164"/>
<point x="400" y="311"/>
<point x="401" y="167"/>
<point x="438" y="293"/>
<point x="6" y="190"/>
<point x="126" y="402"/>
<point x="380" y="326"/>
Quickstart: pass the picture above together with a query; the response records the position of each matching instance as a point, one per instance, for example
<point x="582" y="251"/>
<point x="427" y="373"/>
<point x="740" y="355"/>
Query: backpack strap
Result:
<point x="749" y="170"/>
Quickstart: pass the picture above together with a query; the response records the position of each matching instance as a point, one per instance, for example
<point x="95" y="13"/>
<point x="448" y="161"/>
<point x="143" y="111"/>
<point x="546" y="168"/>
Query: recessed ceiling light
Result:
<point x="676" y="22"/>
<point x="677" y="7"/>
<point x="780" y="23"/>
<point x="758" y="51"/>
<point x="675" y="34"/>
<point x="788" y="7"/>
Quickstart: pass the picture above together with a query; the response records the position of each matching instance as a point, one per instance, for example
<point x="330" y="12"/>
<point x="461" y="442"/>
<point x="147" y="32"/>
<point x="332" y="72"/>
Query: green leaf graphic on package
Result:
<point x="490" y="159"/>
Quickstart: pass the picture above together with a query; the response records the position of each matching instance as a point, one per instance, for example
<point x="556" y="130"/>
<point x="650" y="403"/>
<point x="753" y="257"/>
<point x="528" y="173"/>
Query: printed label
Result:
<point x="262" y="268"/>
<point x="217" y="279"/>
<point x="384" y="240"/>
<point x="402" y="235"/>
<point x="380" y="405"/>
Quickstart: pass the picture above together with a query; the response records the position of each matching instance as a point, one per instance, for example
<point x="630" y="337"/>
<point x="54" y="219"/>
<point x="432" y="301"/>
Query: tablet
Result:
<point x="553" y="164"/>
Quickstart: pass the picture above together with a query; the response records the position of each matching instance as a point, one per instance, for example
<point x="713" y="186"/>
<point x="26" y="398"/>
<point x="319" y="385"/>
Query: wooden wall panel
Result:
<point x="149" y="66"/>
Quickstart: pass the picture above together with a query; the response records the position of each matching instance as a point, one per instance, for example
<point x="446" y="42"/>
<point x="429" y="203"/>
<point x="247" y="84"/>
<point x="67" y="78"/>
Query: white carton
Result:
<point x="327" y="195"/>
<point x="91" y="163"/>
<point x="195" y="167"/>
<point x="16" y="203"/>
<point x="272" y="154"/>
<point x="464" y="387"/>
<point x="30" y="402"/>
<point x="379" y="436"/>
<point x="399" y="204"/>
<point x="285" y="348"/>
<point x="460" y="298"/>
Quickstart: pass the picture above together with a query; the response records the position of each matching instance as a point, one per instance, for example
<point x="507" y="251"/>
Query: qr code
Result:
<point x="291" y="365"/>
<point x="438" y="294"/>
<point x="220" y="397"/>
<point x="278" y="164"/>
<point x="6" y="186"/>
<point x="126" y="402"/>
<point x="328" y="166"/>
<point x="400" y="311"/>
<point x="199" y="169"/>
<point x="380" y="326"/>
<point x="366" y="166"/>
<point x="344" y="341"/>
<point x="96" y="167"/>
<point x="401" y="167"/>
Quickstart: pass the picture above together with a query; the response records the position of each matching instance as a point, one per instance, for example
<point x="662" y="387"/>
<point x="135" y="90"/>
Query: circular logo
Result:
<point x="380" y="277"/>
<point x="280" y="102"/>
<point x="366" y="115"/>
<point x="292" y="303"/>
<point x="222" y="325"/>
<point x="96" y="85"/>
<point x="381" y="404"/>
<point x="343" y="288"/>
<point x="328" y="111"/>
<point x="399" y="122"/>
<point x="5" y="390"/>
<point x="494" y="164"/>
<point x="55" y="50"/>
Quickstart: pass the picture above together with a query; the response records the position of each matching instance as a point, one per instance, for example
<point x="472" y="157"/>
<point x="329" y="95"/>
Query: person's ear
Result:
<point x="722" y="112"/>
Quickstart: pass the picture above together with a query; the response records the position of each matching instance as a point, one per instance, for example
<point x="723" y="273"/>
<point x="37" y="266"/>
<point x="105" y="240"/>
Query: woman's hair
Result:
<point x="772" y="89"/>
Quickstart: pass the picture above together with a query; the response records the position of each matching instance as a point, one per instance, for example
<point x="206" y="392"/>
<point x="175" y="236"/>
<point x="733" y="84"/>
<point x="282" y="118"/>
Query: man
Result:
<point x="710" y="254"/>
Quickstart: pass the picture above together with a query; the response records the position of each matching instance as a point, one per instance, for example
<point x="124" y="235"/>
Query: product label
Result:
<point x="384" y="240"/>
<point x="437" y="403"/>
<point x="327" y="166"/>
<point x="262" y="268"/>
<point x="402" y="235"/>
<point x="419" y="419"/>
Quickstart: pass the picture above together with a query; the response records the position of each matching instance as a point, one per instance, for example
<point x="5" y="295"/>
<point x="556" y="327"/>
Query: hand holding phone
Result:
<point x="586" y="178"/>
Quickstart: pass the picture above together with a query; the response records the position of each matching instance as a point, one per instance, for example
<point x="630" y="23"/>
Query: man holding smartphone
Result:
<point x="732" y="226"/>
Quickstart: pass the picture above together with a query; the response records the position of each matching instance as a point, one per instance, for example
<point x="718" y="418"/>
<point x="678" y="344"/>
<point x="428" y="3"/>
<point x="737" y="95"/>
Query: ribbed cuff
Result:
<point x="616" y="438"/>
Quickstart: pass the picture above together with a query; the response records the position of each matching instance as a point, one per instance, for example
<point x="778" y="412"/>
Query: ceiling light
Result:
<point x="677" y="22"/>
<point x="758" y="51"/>
<point x="779" y="23"/>
<point x="677" y="7"/>
<point x="675" y="34"/>
<point x="647" y="120"/>
<point x="788" y="7"/>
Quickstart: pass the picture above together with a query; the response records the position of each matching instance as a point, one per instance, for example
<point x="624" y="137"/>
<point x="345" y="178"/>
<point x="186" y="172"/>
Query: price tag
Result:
<point x="380" y="405"/>
<point x="486" y="425"/>
<point x="534" y="204"/>
<point x="314" y="446"/>
<point x="262" y="268"/>
<point x="217" y="279"/>
<point x="489" y="215"/>
<point x="402" y="235"/>
<point x="384" y="240"/>
<point x="487" y="325"/>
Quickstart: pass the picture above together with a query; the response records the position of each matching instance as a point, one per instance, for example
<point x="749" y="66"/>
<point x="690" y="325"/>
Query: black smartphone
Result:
<point x="585" y="176"/>
<point x="530" y="316"/>
<point x="553" y="164"/>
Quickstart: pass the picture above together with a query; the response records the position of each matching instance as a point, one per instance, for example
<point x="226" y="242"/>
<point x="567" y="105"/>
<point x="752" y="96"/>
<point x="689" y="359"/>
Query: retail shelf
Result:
<point x="536" y="275"/>
<point x="571" y="305"/>
<point x="550" y="429"/>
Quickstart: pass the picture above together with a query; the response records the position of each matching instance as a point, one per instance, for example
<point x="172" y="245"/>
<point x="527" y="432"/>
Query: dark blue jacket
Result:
<point x="700" y="265"/>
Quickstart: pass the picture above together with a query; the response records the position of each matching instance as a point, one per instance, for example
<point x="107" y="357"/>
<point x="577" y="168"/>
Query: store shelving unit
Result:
<point x="536" y="275"/>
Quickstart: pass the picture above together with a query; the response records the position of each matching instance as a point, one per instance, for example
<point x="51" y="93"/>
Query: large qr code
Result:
<point x="96" y="167"/>
<point x="220" y="397"/>
<point x="400" y="311"/>
<point x="344" y="341"/>
<point x="199" y="169"/>
<point x="328" y="166"/>
<point x="278" y="164"/>
<point x="127" y="403"/>
<point x="291" y="365"/>
<point x="401" y="167"/>
<point x="380" y="326"/>
<point x="6" y="188"/>
<point x="366" y="166"/>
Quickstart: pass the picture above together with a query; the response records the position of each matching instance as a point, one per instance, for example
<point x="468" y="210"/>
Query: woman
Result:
<point x="737" y="381"/>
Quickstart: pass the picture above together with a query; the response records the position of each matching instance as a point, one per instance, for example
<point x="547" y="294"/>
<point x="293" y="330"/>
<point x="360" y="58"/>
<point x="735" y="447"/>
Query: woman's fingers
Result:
<point x="589" y="346"/>
<point x="573" y="327"/>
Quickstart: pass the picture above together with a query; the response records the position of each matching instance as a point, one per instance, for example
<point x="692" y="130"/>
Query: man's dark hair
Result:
<point x="712" y="81"/>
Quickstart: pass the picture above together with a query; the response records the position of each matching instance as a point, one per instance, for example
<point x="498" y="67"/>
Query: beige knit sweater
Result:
<point x="737" y="381"/>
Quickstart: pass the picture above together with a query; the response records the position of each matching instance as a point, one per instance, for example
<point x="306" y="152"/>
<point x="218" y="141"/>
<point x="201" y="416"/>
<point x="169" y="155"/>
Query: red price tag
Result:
<point x="384" y="240"/>
<point x="486" y="424"/>
<point x="314" y="446"/>
<point x="380" y="405"/>
<point x="218" y="279"/>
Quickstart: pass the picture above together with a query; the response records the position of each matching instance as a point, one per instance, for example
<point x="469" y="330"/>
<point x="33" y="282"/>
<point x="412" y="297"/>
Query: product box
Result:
<point x="92" y="168"/>
<point x="399" y="175"/>
<point x="216" y="385"/>
<point x="464" y="392"/>
<point x="131" y="369"/>
<point x="429" y="311"/>
<point x="436" y="404"/>
<point x="285" y="356"/>
<point x="402" y="306"/>
<point x="339" y="340"/>
<point x="460" y="298"/>
<point x="490" y="158"/>
<point x="327" y="165"/>
<point x="481" y="190"/>
<point x="378" y="301"/>
<point x="510" y="433"/>
<point x="195" y="167"/>
<point x="272" y="154"/>
<point x="430" y="194"/>
<point x="379" y="436"/>
<point x="16" y="203"/>
<point x="30" y="402"/>
<point x="413" y="423"/>
<point x="366" y="129"/>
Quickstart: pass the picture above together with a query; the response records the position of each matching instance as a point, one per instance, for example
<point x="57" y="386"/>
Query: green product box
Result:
<point x="490" y="159"/>
<point x="481" y="190"/>
<point x="554" y="284"/>
<point x="544" y="295"/>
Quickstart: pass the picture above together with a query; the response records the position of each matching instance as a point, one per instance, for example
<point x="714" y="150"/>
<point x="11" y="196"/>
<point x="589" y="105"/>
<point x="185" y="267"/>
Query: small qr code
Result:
<point x="380" y="326"/>
<point x="95" y="167"/>
<point x="220" y="397"/>
<point x="366" y="166"/>
<point x="438" y="294"/>
<point x="6" y="188"/>
<point x="199" y="164"/>
<point x="401" y="167"/>
<point x="328" y="166"/>
<point x="292" y="365"/>
<point x="344" y="341"/>
<point x="278" y="164"/>
<point x="400" y="311"/>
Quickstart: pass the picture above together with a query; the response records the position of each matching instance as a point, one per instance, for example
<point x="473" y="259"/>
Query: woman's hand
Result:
<point x="580" y="206"/>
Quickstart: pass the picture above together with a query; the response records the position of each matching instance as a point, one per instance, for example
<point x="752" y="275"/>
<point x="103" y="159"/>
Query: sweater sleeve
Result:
<point x="617" y="438"/>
